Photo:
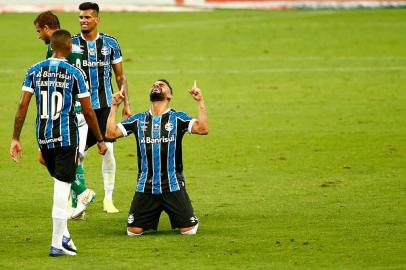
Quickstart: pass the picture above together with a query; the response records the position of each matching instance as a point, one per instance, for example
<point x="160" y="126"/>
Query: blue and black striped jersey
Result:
<point x="98" y="56"/>
<point x="55" y="84"/>
<point x="159" y="149"/>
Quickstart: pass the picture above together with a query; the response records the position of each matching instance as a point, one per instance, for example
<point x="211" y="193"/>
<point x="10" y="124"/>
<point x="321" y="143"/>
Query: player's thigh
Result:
<point x="49" y="157"/>
<point x="179" y="209"/>
<point x="101" y="114"/>
<point x="145" y="211"/>
<point x="83" y="129"/>
<point x="65" y="163"/>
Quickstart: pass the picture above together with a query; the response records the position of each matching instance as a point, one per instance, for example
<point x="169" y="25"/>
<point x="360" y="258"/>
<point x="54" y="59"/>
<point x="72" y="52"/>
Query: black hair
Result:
<point x="60" y="39"/>
<point x="89" y="5"/>
<point x="167" y="83"/>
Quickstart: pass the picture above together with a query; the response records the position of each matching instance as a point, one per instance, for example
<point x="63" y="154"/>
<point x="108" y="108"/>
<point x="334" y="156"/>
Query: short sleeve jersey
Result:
<point x="55" y="84"/>
<point x="98" y="56"/>
<point x="159" y="149"/>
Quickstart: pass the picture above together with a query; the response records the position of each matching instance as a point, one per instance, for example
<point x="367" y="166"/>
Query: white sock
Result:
<point x="108" y="194"/>
<point x="133" y="234"/>
<point x="192" y="231"/>
<point x="66" y="231"/>
<point x="59" y="212"/>
<point x="109" y="171"/>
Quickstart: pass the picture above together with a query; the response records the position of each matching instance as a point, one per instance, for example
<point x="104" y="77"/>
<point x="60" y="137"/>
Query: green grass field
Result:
<point x="304" y="166"/>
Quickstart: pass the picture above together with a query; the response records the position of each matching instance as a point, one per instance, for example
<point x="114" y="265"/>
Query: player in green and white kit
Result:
<point x="45" y="24"/>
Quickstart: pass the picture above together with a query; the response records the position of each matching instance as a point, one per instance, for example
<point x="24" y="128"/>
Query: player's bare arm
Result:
<point x="201" y="125"/>
<point x="112" y="131"/>
<point x="123" y="86"/>
<point x="91" y="121"/>
<point x="16" y="149"/>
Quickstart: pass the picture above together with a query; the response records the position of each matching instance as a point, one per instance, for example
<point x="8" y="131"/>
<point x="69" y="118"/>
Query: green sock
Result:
<point x="78" y="186"/>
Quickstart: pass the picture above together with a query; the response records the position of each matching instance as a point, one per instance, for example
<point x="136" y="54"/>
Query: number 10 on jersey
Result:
<point x="51" y="103"/>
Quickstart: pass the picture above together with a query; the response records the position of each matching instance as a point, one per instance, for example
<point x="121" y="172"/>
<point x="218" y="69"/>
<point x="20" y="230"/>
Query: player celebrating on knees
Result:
<point x="100" y="54"/>
<point x="55" y="84"/>
<point x="46" y="24"/>
<point x="160" y="184"/>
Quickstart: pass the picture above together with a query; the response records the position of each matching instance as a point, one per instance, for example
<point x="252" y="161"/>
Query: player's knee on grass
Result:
<point x="134" y="231"/>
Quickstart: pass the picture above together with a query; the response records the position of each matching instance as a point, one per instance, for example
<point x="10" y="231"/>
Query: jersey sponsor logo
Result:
<point x="52" y="140"/>
<point x="130" y="218"/>
<point x="58" y="75"/>
<point x="95" y="63"/>
<point x="77" y="49"/>
<point x="105" y="51"/>
<point x="149" y="140"/>
<point x="168" y="126"/>
<point x="144" y="126"/>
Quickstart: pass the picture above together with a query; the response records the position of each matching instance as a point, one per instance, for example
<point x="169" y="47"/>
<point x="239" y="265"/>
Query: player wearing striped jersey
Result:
<point x="101" y="55"/>
<point x="160" y="181"/>
<point x="55" y="83"/>
<point x="45" y="24"/>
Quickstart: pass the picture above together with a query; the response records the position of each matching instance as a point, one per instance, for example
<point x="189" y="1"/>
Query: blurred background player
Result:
<point x="100" y="54"/>
<point x="160" y="184"/>
<point x="55" y="83"/>
<point x="47" y="23"/>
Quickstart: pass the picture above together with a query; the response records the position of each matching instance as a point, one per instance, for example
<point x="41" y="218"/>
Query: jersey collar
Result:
<point x="58" y="59"/>
<point x="98" y="35"/>
<point x="167" y="110"/>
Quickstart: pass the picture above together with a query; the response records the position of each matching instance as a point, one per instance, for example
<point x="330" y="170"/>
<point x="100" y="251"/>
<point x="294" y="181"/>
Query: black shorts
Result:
<point x="61" y="162"/>
<point x="147" y="208"/>
<point x="101" y="114"/>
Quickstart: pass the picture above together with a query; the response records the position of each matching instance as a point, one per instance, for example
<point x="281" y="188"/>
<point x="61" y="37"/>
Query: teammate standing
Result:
<point x="55" y="84"/>
<point x="160" y="184"/>
<point x="101" y="53"/>
<point x="45" y="24"/>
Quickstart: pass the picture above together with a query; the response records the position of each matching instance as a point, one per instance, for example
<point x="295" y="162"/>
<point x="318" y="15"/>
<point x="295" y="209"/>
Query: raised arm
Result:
<point x="112" y="131"/>
<point x="16" y="149"/>
<point x="91" y="121"/>
<point x="201" y="125"/>
<point x="123" y="86"/>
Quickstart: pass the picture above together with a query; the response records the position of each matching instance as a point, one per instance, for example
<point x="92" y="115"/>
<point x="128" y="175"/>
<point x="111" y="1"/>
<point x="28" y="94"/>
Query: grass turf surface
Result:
<point x="304" y="164"/>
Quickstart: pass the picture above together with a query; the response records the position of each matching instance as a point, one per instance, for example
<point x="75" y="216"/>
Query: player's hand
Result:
<point x="196" y="93"/>
<point x="126" y="111"/>
<point x="102" y="148"/>
<point x="16" y="150"/>
<point x="118" y="98"/>
<point x="41" y="158"/>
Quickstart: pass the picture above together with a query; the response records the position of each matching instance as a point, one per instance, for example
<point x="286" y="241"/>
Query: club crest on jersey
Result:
<point x="168" y="126"/>
<point x="105" y="51"/>
<point x="156" y="127"/>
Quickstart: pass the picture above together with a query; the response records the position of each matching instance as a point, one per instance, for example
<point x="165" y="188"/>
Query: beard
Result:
<point x="155" y="96"/>
<point x="85" y="31"/>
